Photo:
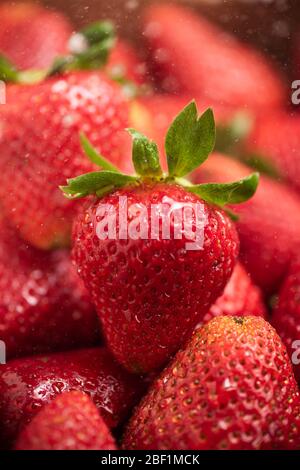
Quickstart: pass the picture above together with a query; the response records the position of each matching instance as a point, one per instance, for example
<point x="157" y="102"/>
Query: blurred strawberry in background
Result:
<point x="31" y="36"/>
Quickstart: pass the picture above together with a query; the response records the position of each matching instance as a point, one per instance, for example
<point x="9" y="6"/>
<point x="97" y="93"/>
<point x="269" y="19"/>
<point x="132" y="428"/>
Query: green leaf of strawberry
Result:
<point x="189" y="141"/>
<point x="97" y="182"/>
<point x="227" y="193"/>
<point x="8" y="72"/>
<point x="145" y="155"/>
<point x="94" y="156"/>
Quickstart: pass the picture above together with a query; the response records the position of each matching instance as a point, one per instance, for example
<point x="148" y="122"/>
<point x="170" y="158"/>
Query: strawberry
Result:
<point x="44" y="305"/>
<point x="286" y="314"/>
<point x="275" y="137"/>
<point x="143" y="282"/>
<point x="36" y="158"/>
<point x="27" y="384"/>
<point x="268" y="226"/>
<point x="32" y="36"/>
<point x="191" y="55"/>
<point x="70" y="422"/>
<point x="231" y="387"/>
<point x="240" y="298"/>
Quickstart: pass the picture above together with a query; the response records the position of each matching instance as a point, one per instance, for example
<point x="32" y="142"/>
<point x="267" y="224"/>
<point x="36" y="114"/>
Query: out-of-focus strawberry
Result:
<point x="268" y="226"/>
<point x="70" y="422"/>
<point x="124" y="62"/>
<point x="231" y="387"/>
<point x="240" y="298"/>
<point x="286" y="314"/>
<point x="276" y="137"/>
<point x="32" y="36"/>
<point x="191" y="55"/>
<point x="44" y="305"/>
<point x="27" y="384"/>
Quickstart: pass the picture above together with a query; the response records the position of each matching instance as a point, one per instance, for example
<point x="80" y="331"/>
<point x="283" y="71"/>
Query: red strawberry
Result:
<point x="149" y="281"/>
<point x="40" y="148"/>
<point x="70" y="422"/>
<point x="240" y="298"/>
<point x="276" y="137"/>
<point x="268" y="226"/>
<point x="125" y="62"/>
<point x="44" y="305"/>
<point x="231" y="387"/>
<point x="28" y="384"/>
<point x="32" y="36"/>
<point x="191" y="55"/>
<point x="286" y="314"/>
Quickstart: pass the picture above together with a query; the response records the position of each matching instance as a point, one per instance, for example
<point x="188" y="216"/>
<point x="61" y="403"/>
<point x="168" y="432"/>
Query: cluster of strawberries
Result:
<point x="140" y="343"/>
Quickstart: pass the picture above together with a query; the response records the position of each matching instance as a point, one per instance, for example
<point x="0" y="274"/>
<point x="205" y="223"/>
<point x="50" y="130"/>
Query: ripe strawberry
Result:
<point x="268" y="226"/>
<point x="36" y="158"/>
<point x="44" y="305"/>
<point x="147" y="282"/>
<point x="240" y="298"/>
<point x="32" y="36"/>
<point x="275" y="136"/>
<point x="286" y="314"/>
<point x="39" y="141"/>
<point x="29" y="383"/>
<point x="197" y="57"/>
<point x="70" y="422"/>
<point x="231" y="387"/>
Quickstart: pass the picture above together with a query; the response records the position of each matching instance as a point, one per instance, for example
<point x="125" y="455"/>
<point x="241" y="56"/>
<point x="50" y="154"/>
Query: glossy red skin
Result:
<point x="197" y="57"/>
<point x="240" y="298"/>
<point x="44" y="305"/>
<point x="286" y="314"/>
<point x="124" y="59"/>
<point x="143" y="289"/>
<point x="276" y="136"/>
<point x="268" y="226"/>
<point x="231" y="387"/>
<point x="28" y="384"/>
<point x="31" y="36"/>
<point x="70" y="422"/>
<point x="40" y="148"/>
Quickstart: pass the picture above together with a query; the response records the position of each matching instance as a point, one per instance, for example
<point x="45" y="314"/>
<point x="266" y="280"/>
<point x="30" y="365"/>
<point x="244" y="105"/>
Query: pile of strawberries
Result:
<point x="138" y="342"/>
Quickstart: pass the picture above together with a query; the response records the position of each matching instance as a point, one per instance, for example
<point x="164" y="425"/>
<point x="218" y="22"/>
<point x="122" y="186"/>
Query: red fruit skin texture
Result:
<point x="286" y="314"/>
<point x="40" y="148"/>
<point x="199" y="58"/>
<point x="70" y="422"/>
<point x="27" y="384"/>
<point x="31" y="36"/>
<point x="145" y="289"/>
<point x="240" y="298"/>
<point x="44" y="305"/>
<point x="268" y="226"/>
<point x="276" y="136"/>
<point x="231" y="387"/>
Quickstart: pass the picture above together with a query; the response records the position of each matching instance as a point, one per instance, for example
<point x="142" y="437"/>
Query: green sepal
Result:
<point x="227" y="193"/>
<point x="145" y="155"/>
<point x="189" y="141"/>
<point x="95" y="183"/>
<point x="99" y="38"/>
<point x="8" y="73"/>
<point x="94" y="156"/>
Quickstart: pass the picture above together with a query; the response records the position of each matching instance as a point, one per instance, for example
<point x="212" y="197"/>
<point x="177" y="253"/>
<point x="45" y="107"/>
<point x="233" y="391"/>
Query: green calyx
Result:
<point x="88" y="50"/>
<point x="189" y="141"/>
